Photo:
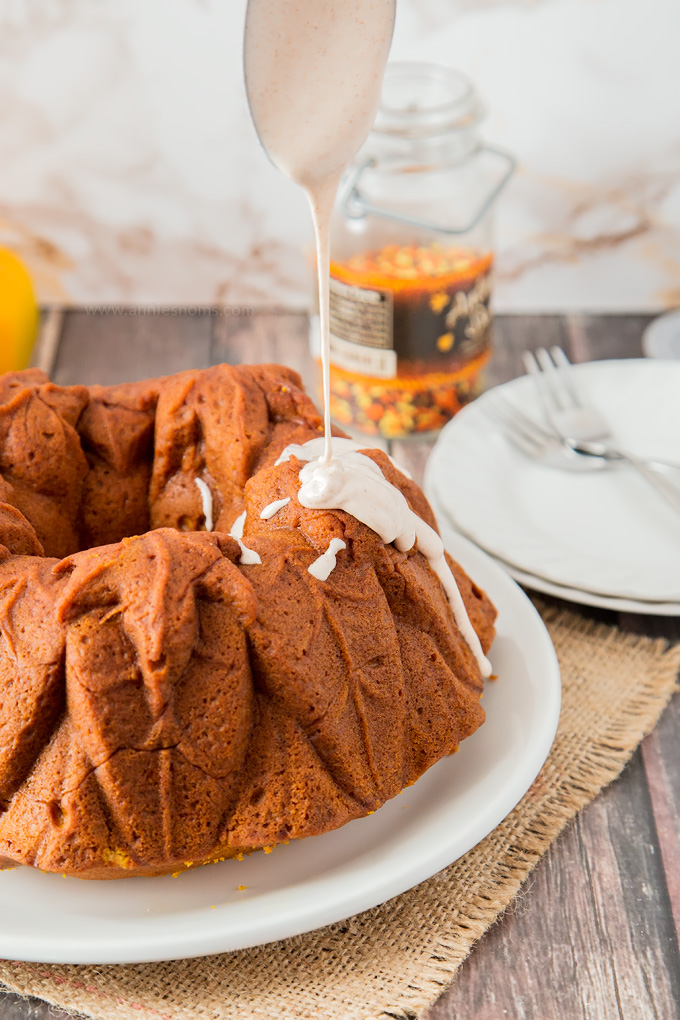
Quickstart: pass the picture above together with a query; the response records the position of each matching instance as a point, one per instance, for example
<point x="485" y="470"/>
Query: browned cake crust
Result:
<point x="162" y="705"/>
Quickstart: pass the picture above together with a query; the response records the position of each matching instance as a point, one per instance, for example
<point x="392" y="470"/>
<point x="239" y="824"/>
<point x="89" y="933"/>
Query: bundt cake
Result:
<point x="166" y="700"/>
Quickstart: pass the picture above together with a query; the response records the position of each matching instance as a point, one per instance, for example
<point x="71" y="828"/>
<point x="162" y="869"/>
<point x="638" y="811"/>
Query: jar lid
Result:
<point x="419" y="100"/>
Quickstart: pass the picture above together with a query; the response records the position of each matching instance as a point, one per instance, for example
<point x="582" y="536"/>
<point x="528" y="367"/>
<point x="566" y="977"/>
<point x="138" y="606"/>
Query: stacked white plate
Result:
<point x="602" y="538"/>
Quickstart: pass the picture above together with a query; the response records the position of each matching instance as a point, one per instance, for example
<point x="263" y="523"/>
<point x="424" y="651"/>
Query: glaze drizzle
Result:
<point x="248" y="556"/>
<point x="353" y="482"/>
<point x="273" y="508"/>
<point x="207" y="501"/>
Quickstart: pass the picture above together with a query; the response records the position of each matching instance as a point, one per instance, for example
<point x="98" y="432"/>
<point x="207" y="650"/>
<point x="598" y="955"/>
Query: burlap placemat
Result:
<point x="395" y="960"/>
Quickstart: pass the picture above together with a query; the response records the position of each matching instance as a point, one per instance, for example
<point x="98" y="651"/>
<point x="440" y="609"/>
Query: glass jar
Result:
<point x="411" y="259"/>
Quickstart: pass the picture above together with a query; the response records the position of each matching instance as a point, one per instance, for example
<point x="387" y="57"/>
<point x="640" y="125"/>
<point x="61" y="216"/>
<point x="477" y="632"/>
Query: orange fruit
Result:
<point x="18" y="313"/>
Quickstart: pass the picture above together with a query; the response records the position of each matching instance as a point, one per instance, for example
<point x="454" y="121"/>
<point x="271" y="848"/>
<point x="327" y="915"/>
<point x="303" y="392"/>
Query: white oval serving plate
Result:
<point x="327" y="878"/>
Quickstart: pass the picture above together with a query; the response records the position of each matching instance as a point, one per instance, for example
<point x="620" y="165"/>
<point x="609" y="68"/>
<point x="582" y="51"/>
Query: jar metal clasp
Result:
<point x="356" y="206"/>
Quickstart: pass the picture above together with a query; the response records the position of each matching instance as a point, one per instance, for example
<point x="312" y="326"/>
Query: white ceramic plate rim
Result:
<point x="472" y="447"/>
<point x="357" y="883"/>
<point x="661" y="338"/>
<point x="586" y="598"/>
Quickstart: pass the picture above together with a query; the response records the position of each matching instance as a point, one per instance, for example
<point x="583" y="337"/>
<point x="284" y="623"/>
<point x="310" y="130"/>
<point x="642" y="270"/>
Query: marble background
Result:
<point x="130" y="171"/>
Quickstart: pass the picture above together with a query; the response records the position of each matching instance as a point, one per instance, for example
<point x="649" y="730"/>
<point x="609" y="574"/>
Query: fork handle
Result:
<point x="666" y="489"/>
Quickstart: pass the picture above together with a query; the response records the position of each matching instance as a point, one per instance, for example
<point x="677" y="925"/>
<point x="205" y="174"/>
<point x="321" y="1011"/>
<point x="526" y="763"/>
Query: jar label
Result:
<point x="354" y="357"/>
<point x="410" y="334"/>
<point x="361" y="329"/>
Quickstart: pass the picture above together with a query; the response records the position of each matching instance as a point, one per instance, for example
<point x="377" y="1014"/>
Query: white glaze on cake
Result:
<point x="315" y="448"/>
<point x="322" y="567"/>
<point x="248" y="556"/>
<point x="207" y="501"/>
<point x="354" y="483"/>
<point x="273" y="508"/>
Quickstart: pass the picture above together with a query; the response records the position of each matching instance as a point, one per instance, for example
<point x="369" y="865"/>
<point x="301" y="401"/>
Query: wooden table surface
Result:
<point x="594" y="934"/>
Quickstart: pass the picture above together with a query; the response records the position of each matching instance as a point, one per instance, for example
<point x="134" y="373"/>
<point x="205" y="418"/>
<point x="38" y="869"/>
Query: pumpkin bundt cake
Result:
<point x="167" y="700"/>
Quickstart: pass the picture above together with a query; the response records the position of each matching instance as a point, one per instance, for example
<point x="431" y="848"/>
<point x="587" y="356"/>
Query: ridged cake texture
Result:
<point x="162" y="704"/>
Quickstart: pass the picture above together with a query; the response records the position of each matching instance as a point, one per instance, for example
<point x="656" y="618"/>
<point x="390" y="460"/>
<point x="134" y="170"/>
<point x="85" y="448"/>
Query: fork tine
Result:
<point x="533" y="369"/>
<point x="530" y="364"/>
<point x="522" y="421"/>
<point x="541" y="382"/>
<point x="554" y="381"/>
<point x="528" y="434"/>
<point x="524" y="441"/>
<point x="564" y="369"/>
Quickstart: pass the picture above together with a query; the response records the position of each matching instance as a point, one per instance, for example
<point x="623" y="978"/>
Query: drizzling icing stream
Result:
<point x="313" y="76"/>
<point x="314" y="71"/>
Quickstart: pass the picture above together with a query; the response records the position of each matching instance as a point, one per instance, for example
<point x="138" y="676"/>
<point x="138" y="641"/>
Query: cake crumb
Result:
<point x="268" y="849"/>
<point x="239" y="887"/>
<point x="117" y="857"/>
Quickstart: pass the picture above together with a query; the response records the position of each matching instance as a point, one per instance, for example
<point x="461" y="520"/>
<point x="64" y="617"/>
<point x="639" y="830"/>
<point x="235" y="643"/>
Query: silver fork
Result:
<point x="581" y="426"/>
<point x="537" y="442"/>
